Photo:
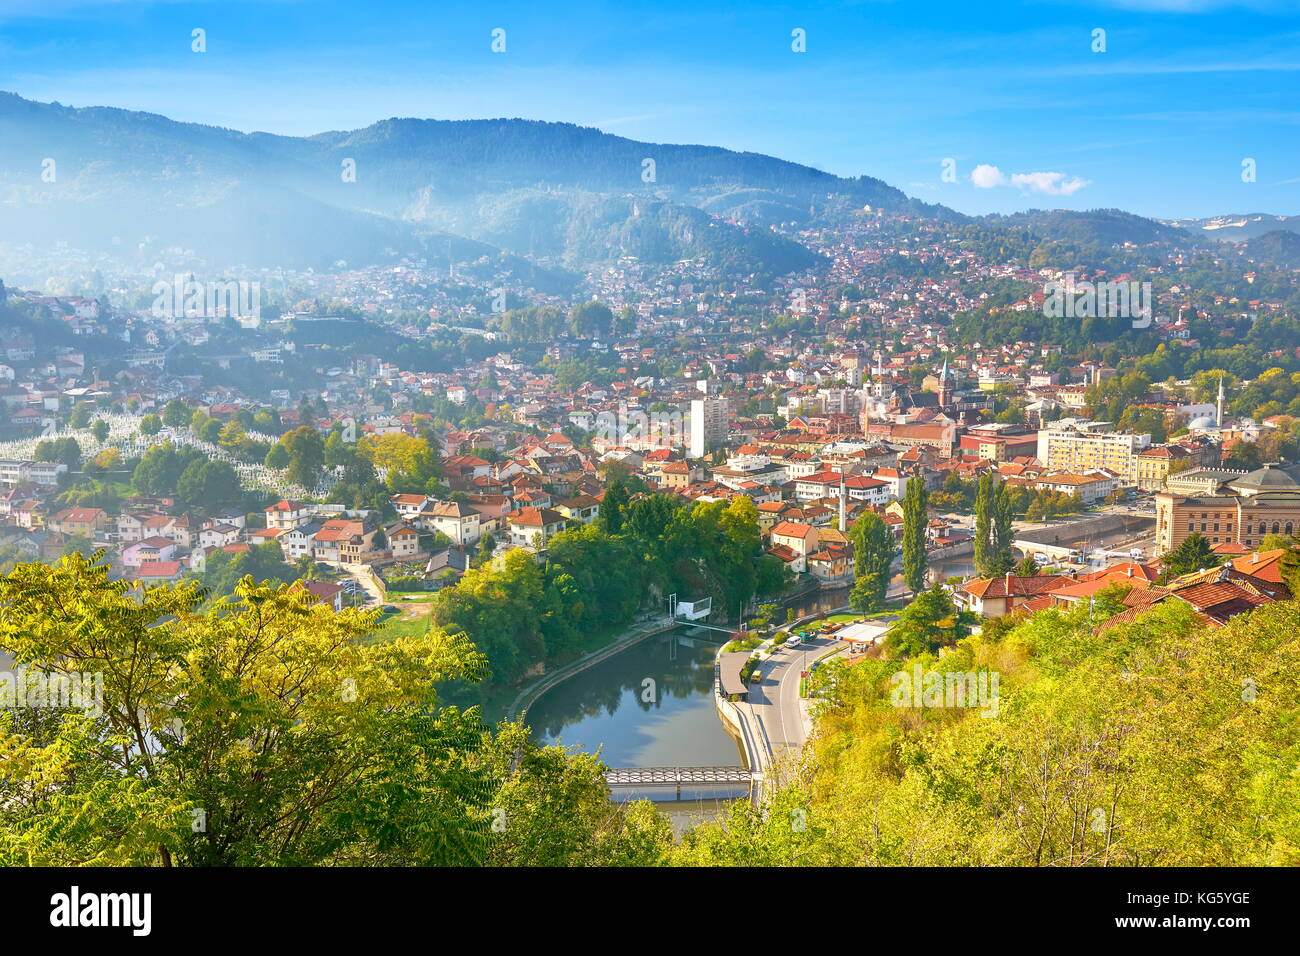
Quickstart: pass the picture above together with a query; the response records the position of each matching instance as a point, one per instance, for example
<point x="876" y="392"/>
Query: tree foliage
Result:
<point x="915" y="521"/>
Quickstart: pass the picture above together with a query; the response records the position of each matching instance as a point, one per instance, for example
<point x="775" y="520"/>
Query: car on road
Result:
<point x="793" y="641"/>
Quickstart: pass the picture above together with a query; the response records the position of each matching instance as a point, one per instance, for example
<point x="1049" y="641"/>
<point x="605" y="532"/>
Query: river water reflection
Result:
<point x="670" y="722"/>
<point x="648" y="706"/>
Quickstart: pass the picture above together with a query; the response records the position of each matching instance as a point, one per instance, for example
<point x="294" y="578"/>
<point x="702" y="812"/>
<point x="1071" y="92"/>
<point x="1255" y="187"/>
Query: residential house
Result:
<point x="534" y="527"/>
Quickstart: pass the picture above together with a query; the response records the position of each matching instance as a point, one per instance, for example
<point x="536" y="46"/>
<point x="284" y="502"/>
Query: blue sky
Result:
<point x="1012" y="92"/>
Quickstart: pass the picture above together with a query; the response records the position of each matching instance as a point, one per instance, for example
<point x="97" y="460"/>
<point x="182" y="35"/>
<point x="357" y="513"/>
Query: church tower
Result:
<point x="945" y="386"/>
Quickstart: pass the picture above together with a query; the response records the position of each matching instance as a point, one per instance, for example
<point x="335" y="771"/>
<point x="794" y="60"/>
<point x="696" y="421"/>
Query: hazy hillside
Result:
<point x="1278" y="247"/>
<point x="142" y="187"/>
<point x="1107" y="226"/>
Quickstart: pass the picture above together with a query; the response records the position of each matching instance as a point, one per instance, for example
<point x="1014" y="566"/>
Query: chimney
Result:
<point x="1130" y="570"/>
<point x="1254" y="557"/>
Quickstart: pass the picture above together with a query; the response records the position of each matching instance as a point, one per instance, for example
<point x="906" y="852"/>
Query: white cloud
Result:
<point x="986" y="177"/>
<point x="1053" y="184"/>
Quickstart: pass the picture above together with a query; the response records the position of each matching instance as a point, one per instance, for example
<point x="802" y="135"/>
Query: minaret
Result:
<point x="1218" y="418"/>
<point x="843" y="505"/>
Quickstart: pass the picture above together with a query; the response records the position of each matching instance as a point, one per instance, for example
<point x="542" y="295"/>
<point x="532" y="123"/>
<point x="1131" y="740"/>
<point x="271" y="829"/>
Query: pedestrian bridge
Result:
<point x="669" y="783"/>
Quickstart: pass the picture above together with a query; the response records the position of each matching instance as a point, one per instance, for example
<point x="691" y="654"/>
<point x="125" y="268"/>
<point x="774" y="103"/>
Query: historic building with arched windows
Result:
<point x="1242" y="510"/>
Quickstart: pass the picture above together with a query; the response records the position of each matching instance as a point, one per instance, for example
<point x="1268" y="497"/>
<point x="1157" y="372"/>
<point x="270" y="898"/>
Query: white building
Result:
<point x="14" y="473"/>
<point x="708" y="426"/>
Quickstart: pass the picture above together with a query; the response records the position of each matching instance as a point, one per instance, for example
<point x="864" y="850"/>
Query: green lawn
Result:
<point x="403" y="624"/>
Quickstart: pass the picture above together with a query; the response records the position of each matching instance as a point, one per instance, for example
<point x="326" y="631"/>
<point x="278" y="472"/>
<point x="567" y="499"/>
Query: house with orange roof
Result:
<point x="534" y="527"/>
<point x="327" y="542"/>
<point x="832" y="565"/>
<point x="1265" y="565"/>
<point x="323" y="592"/>
<point x="158" y="572"/>
<point x="287" y="514"/>
<point x="993" y="597"/>
<point x="86" y="521"/>
<point x="800" y="538"/>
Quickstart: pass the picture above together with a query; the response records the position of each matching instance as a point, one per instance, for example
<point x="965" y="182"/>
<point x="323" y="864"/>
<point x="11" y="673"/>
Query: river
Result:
<point x="652" y="706"/>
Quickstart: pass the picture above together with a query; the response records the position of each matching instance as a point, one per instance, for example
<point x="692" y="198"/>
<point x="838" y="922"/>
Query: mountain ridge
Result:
<point x="142" y="187"/>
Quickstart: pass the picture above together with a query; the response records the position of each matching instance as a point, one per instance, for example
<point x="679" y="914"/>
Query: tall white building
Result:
<point x="708" y="425"/>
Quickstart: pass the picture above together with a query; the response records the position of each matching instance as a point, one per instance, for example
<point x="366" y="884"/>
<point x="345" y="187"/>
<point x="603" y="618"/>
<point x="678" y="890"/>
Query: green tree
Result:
<point x="176" y="414"/>
<point x="78" y="544"/>
<point x="277" y="457"/>
<point x="314" y="748"/>
<point x="873" y="558"/>
<point x="984" y="548"/>
<point x="80" y="416"/>
<point x="915" y="521"/>
<point x="150" y="425"/>
<point x="930" y="622"/>
<point x="306" y="453"/>
<point x="1028" y="567"/>
<point x="591" y="320"/>
<point x="209" y="485"/>
<point x="1004" y="555"/>
<point x="1193" y="554"/>
<point x="612" y="505"/>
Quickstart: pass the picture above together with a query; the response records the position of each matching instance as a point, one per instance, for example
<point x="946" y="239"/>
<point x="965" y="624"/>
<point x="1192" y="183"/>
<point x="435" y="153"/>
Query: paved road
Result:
<point x="775" y="703"/>
<point x="376" y="596"/>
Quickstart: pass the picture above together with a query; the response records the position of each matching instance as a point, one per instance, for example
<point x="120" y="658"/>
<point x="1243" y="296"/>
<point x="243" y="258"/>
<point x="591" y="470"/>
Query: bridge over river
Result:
<point x="669" y="783"/>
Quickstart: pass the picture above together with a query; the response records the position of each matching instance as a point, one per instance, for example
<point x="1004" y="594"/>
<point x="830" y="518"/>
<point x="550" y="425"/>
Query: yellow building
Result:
<point x="1266" y="501"/>
<point x="1081" y="449"/>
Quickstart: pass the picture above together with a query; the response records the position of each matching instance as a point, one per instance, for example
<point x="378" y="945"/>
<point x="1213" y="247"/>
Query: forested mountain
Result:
<point x="1107" y="226"/>
<point x="140" y="187"/>
<point x="1278" y="247"/>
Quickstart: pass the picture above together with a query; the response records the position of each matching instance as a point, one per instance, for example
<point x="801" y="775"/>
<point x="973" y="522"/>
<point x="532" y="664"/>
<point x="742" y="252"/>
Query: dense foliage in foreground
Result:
<point x="263" y="730"/>
<point x="1158" y="742"/>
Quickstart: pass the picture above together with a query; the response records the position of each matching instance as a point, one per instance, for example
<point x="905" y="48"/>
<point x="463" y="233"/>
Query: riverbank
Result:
<point x="518" y="708"/>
